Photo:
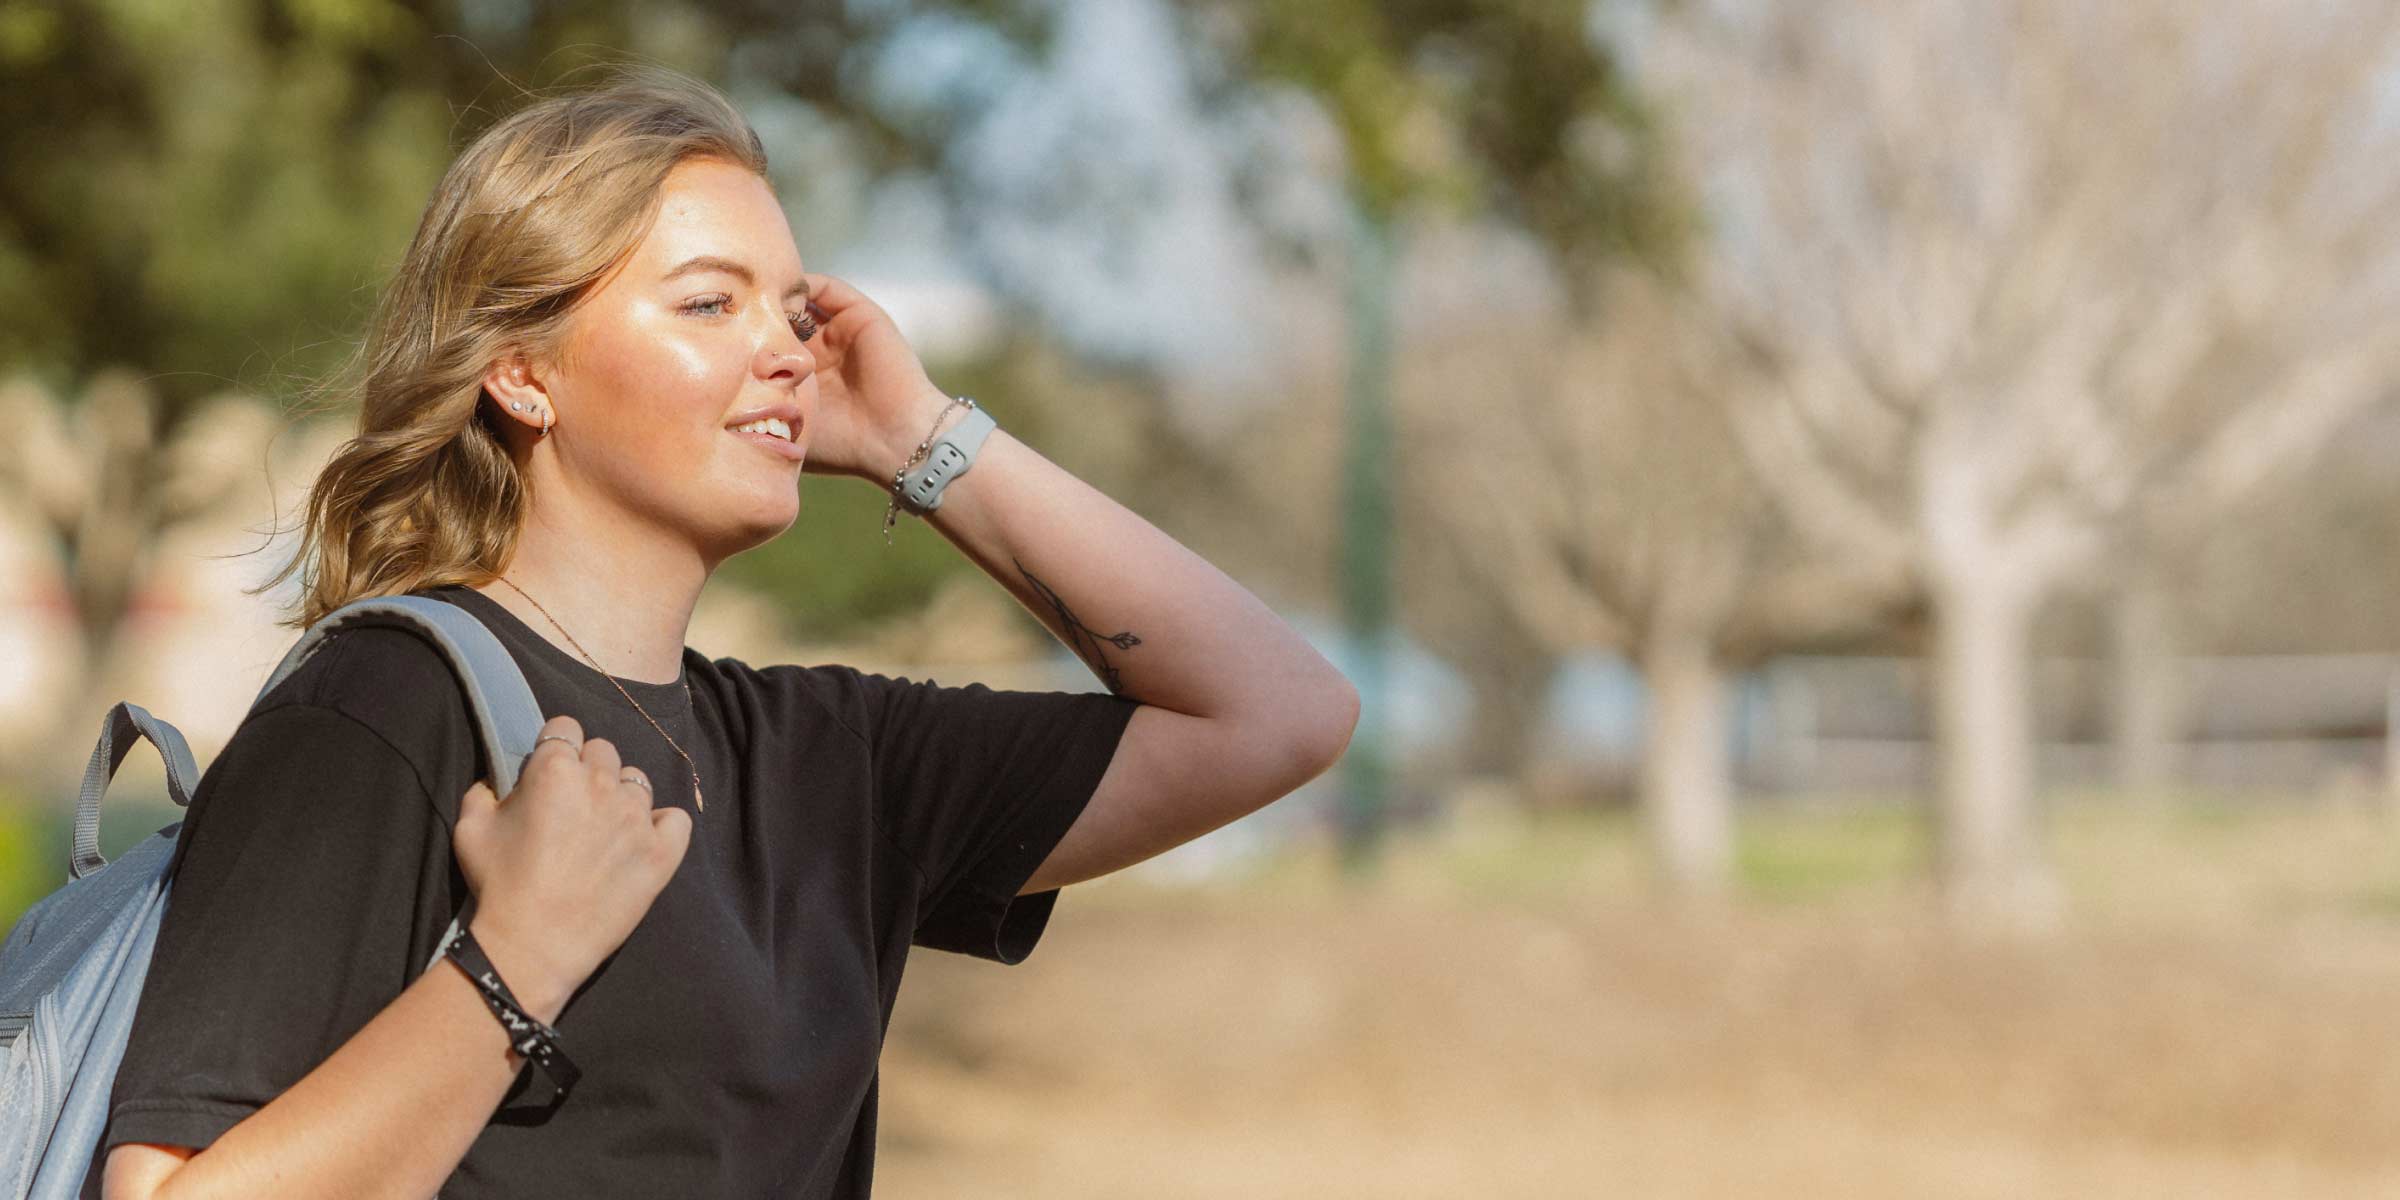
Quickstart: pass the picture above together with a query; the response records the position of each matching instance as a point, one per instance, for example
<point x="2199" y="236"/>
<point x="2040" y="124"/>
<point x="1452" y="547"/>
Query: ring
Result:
<point x="622" y="777"/>
<point x="551" y="737"/>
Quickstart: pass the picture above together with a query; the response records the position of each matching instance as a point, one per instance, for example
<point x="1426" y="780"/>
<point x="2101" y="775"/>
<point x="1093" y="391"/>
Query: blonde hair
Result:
<point x="526" y="222"/>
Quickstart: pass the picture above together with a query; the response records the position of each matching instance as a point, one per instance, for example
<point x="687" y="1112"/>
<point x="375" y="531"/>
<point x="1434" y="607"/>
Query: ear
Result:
<point x="521" y="395"/>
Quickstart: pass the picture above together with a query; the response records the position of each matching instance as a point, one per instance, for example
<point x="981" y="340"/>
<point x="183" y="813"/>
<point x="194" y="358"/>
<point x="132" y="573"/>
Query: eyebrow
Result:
<point x="710" y="262"/>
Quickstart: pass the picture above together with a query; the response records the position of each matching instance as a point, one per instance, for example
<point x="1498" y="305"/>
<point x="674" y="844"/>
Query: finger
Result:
<point x="674" y="829"/>
<point x="834" y="296"/>
<point x="601" y="756"/>
<point x="552" y="731"/>
<point x="478" y="801"/>
<point x="637" y="779"/>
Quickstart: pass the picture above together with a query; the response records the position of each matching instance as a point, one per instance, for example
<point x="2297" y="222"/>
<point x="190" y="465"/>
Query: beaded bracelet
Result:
<point x="535" y="1041"/>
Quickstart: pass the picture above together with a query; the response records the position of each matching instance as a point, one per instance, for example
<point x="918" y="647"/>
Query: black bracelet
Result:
<point x="537" y="1042"/>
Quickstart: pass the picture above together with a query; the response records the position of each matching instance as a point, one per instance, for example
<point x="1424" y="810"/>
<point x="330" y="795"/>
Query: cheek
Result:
<point x="651" y="365"/>
<point x="664" y="390"/>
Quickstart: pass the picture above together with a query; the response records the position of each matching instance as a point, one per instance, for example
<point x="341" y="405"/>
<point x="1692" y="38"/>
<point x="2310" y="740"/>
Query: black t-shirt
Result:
<point x="729" y="1047"/>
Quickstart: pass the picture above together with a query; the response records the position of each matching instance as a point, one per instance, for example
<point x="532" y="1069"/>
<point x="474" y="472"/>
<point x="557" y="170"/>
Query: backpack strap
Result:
<point x="500" y="706"/>
<point x="125" y="724"/>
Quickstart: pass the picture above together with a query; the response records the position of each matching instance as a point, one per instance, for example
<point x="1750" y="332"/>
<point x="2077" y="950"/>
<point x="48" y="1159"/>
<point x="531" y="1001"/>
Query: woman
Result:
<point x="600" y="371"/>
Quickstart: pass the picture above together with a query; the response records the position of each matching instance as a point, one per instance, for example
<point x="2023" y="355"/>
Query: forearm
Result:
<point x="390" y="1113"/>
<point x="1153" y="620"/>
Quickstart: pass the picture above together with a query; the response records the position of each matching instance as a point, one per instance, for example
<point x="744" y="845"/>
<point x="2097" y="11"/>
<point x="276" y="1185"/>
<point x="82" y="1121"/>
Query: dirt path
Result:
<point x="1417" y="1042"/>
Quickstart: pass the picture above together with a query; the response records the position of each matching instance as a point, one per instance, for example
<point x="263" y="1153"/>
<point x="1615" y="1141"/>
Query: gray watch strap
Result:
<point x="952" y="453"/>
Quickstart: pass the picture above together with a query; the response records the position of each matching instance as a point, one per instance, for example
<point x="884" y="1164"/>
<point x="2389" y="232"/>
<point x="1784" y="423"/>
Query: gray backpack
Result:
<point x="71" y="970"/>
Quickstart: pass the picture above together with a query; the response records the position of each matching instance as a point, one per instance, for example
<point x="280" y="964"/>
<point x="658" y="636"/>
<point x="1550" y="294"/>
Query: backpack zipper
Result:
<point x="12" y="1024"/>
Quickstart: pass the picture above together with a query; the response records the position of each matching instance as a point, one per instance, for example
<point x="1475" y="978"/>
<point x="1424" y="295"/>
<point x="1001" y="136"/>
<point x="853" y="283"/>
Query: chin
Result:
<point x="764" y="529"/>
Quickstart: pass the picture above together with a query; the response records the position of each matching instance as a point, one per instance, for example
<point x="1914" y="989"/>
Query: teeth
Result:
<point x="769" y="425"/>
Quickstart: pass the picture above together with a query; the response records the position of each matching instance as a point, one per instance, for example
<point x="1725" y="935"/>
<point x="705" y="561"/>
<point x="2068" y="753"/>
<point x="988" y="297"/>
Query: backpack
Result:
<point x="71" y="970"/>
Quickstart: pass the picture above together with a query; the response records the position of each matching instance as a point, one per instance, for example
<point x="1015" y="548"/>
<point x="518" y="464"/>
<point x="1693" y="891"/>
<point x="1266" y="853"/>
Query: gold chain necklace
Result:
<point x="612" y="682"/>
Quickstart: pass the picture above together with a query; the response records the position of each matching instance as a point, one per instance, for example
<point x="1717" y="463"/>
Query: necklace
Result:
<point x="612" y="682"/>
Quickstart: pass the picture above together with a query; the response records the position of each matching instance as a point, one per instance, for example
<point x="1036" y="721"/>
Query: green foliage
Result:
<point x="36" y="839"/>
<point x="1509" y="108"/>
<point x="831" y="573"/>
<point x="204" y="196"/>
<point x="32" y="858"/>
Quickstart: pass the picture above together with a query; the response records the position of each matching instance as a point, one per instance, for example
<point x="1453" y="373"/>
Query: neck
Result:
<point x="624" y="589"/>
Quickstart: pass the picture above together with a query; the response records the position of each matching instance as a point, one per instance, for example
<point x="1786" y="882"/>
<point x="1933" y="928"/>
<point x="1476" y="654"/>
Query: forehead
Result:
<point x="712" y="207"/>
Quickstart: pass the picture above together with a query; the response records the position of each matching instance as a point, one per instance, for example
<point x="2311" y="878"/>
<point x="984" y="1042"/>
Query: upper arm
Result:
<point x="1175" y="777"/>
<point x="997" y="795"/>
<point x="973" y="786"/>
<point x="293" y="921"/>
<point x="136" y="1170"/>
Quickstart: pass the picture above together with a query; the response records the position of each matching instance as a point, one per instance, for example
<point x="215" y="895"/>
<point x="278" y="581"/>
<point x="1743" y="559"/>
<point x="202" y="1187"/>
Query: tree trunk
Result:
<point x="2146" y="685"/>
<point x="1510" y="678"/>
<point x="1989" y="858"/>
<point x="1687" y="794"/>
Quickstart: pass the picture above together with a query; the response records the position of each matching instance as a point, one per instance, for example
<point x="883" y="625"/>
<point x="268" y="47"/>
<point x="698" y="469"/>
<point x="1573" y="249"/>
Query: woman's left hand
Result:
<point x="874" y="400"/>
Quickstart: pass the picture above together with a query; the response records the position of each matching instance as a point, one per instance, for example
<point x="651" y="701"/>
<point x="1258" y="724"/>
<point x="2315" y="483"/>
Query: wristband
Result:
<point x="527" y="1035"/>
<point x="950" y="456"/>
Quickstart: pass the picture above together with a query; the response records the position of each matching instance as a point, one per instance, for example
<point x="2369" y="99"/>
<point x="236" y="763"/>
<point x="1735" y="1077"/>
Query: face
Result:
<point x="668" y="354"/>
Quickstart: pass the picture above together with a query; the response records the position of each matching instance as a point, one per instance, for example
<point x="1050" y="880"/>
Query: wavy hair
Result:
<point x="524" y="225"/>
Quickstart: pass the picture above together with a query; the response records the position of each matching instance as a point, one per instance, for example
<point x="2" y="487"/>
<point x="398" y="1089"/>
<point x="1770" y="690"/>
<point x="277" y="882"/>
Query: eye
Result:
<point x="718" y="301"/>
<point x="796" y="319"/>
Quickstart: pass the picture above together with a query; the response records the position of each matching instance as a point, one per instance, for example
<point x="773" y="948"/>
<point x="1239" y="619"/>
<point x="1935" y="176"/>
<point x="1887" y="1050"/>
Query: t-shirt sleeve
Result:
<point x="288" y="923"/>
<point x="977" y="785"/>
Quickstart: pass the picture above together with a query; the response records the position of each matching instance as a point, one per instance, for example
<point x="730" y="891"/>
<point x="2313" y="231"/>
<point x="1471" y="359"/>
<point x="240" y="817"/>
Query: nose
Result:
<point x="785" y="358"/>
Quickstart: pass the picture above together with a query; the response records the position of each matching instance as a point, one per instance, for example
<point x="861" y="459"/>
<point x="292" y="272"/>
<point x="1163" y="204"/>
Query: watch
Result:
<point x="949" y="457"/>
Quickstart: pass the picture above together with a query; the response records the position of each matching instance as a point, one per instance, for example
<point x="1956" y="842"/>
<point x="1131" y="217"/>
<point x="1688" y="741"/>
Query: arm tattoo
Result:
<point x="1081" y="638"/>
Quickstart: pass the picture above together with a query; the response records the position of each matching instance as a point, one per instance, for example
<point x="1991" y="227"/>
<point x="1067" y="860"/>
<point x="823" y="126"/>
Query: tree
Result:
<point x="2020" y="270"/>
<point x="1588" y="468"/>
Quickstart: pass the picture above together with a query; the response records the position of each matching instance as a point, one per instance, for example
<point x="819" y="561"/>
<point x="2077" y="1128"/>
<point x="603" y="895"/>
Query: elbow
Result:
<point x="1300" y="738"/>
<point x="141" y="1170"/>
<point x="1347" y="708"/>
<point x="1333" y="719"/>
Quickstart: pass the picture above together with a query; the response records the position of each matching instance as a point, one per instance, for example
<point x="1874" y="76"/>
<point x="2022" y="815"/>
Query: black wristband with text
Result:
<point x="537" y="1042"/>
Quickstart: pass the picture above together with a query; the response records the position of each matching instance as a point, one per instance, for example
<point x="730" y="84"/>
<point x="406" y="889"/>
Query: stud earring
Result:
<point x="513" y="406"/>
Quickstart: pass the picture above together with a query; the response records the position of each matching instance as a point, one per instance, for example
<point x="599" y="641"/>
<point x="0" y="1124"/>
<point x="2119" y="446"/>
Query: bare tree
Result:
<point x="1583" y="462"/>
<point x="2026" y="270"/>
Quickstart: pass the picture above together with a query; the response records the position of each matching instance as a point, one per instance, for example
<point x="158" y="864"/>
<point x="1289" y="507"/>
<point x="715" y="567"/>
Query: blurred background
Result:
<point x="1862" y="531"/>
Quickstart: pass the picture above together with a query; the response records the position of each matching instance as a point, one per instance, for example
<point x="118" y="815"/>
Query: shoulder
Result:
<point x="822" y="693"/>
<point x="366" y="666"/>
<point x="398" y="687"/>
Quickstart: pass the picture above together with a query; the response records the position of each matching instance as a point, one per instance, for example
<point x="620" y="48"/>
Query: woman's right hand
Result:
<point x="565" y="867"/>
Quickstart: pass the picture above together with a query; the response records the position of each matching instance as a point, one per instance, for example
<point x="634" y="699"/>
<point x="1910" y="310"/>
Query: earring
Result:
<point x="513" y="406"/>
<point x="545" y="424"/>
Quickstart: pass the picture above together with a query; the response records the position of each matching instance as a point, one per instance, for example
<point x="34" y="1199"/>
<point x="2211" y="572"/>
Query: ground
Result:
<point x="1505" y="1011"/>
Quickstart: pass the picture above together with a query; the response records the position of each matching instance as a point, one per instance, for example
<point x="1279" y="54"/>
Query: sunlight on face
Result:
<point x="661" y="361"/>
